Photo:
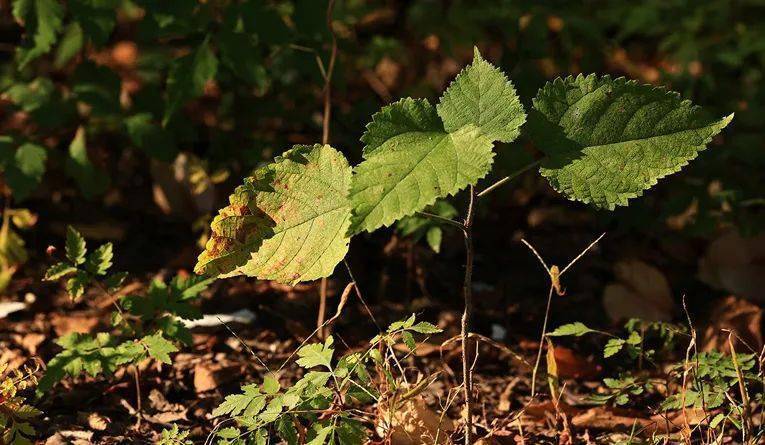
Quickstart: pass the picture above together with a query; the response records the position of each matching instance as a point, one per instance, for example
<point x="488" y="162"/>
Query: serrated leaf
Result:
<point x="608" y="140"/>
<point x="75" y="246"/>
<point x="287" y="223"/>
<point x="75" y="286"/>
<point x="236" y="404"/>
<point x="58" y="271"/>
<point x="188" y="76"/>
<point x="270" y="384"/>
<point x="100" y="260"/>
<point x="159" y="347"/>
<point x="42" y="20"/>
<point x="85" y="353"/>
<point x="424" y="327"/>
<point x="612" y="347"/>
<point x="576" y="329"/>
<point x="482" y="96"/>
<point x="413" y="168"/>
<point x="115" y="280"/>
<point x="316" y="354"/>
<point x="413" y="157"/>
<point x="408" y="339"/>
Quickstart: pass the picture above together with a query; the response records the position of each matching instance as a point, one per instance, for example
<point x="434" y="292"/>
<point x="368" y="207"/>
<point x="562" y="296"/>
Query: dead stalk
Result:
<point x="746" y="415"/>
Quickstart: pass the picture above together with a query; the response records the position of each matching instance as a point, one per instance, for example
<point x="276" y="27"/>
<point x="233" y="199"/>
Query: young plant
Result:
<point x="15" y="413"/>
<point x="146" y="326"/>
<point x="602" y="141"/>
<point x="318" y="408"/>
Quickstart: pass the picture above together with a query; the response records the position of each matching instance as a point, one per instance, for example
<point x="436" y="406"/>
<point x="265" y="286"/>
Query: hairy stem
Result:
<point x="467" y="290"/>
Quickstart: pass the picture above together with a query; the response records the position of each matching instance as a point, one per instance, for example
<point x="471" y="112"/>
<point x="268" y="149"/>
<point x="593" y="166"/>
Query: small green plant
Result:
<point x="318" y="408"/>
<point x="714" y="384"/>
<point x="15" y="413"/>
<point x="145" y="325"/>
<point x="603" y="141"/>
<point x="174" y="436"/>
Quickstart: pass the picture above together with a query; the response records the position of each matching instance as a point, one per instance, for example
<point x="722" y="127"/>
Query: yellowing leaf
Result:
<point x="288" y="222"/>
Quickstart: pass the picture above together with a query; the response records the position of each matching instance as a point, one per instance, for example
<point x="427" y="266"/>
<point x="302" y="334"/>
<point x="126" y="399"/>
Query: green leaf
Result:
<point x="424" y="327"/>
<point x="75" y="286"/>
<point x="97" y="17"/>
<point x="156" y="141"/>
<point x="85" y="353"/>
<point x="576" y="329"/>
<point x="434" y="236"/>
<point x="482" y="96"/>
<point x="159" y="347"/>
<point x="188" y="76"/>
<point x="409" y="340"/>
<point x="612" y="347"/>
<point x="26" y="170"/>
<point x="412" y="158"/>
<point x="608" y="140"/>
<point x="58" y="271"/>
<point x="42" y="20"/>
<point x="410" y="161"/>
<point x="270" y="384"/>
<point x="75" y="246"/>
<point x="90" y="180"/>
<point x="250" y="400"/>
<point x="316" y="354"/>
<point x="71" y="43"/>
<point x="287" y="223"/>
<point x="100" y="260"/>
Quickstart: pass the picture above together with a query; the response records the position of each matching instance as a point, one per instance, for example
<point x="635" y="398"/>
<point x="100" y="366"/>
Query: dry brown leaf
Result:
<point x="611" y="419"/>
<point x="209" y="376"/>
<point x="736" y="264"/>
<point x="737" y="315"/>
<point x="572" y="365"/>
<point x="641" y="291"/>
<point x="413" y="423"/>
<point x="74" y="322"/>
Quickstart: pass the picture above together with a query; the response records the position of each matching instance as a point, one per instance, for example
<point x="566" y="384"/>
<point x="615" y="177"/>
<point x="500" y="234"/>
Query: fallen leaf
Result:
<point x="737" y="315"/>
<point x="210" y="376"/>
<point x="640" y="291"/>
<point x="572" y="365"/>
<point x="413" y="423"/>
<point x="736" y="264"/>
<point x="74" y="322"/>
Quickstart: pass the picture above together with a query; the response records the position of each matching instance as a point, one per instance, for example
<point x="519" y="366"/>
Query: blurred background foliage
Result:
<point x="151" y="111"/>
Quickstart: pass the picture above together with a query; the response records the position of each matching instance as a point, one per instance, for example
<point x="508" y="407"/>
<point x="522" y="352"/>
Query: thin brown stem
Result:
<point x="139" y="409"/>
<point x="467" y="290"/>
<point x="325" y="140"/>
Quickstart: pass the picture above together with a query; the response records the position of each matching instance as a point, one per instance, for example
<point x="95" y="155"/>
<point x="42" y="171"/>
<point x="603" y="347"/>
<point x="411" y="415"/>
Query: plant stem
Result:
<point x="139" y="409"/>
<point x="467" y="290"/>
<point x="510" y="177"/>
<point x="439" y="218"/>
<point x="325" y="140"/>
